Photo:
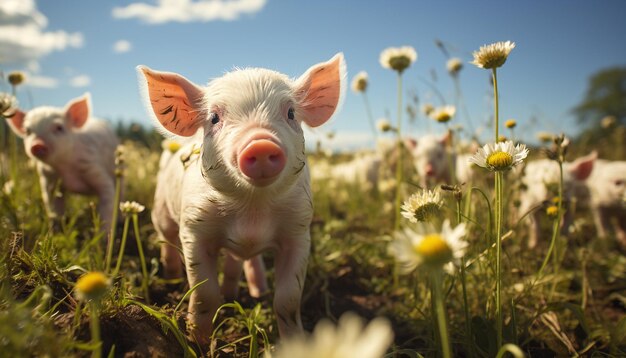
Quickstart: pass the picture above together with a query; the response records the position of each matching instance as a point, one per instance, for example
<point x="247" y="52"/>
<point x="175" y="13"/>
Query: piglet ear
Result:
<point x="16" y="122"/>
<point x="410" y="143"/>
<point x="77" y="111"/>
<point x="174" y="101"/>
<point x="321" y="89"/>
<point x="446" y="139"/>
<point x="582" y="167"/>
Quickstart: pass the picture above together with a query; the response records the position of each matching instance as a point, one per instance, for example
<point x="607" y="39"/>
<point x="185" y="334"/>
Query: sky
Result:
<point x="69" y="47"/>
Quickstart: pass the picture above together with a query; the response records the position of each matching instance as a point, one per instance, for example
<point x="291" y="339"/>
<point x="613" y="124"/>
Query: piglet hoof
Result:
<point x="199" y="332"/>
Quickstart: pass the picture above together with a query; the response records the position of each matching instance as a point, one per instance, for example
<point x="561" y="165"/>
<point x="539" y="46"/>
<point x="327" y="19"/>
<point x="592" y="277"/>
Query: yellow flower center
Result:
<point x="399" y="63"/>
<point x="500" y="160"/>
<point x="434" y="249"/>
<point x="511" y="123"/>
<point x="361" y="85"/>
<point x="443" y="117"/>
<point x="426" y="212"/>
<point x="552" y="210"/>
<point x="173" y="146"/>
<point x="92" y="284"/>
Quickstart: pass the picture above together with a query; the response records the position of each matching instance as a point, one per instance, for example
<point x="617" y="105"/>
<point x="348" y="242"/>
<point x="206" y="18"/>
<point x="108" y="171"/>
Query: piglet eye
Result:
<point x="58" y="128"/>
<point x="215" y="118"/>
<point x="291" y="113"/>
<point x="28" y="131"/>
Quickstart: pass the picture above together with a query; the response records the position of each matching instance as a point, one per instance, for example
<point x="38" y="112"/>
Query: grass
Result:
<point x="350" y="269"/>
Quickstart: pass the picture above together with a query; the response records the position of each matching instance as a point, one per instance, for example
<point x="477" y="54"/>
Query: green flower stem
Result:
<point x="369" y="115"/>
<point x="468" y="326"/>
<point x="555" y="226"/>
<point x="495" y="104"/>
<point x="400" y="159"/>
<point x="499" y="180"/>
<point x="436" y="277"/>
<point x="144" y="268"/>
<point x="122" y="247"/>
<point x="111" y="238"/>
<point x="94" y="325"/>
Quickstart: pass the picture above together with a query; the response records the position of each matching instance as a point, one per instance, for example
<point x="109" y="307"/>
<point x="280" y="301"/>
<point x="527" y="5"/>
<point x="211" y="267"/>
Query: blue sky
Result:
<point x="67" y="48"/>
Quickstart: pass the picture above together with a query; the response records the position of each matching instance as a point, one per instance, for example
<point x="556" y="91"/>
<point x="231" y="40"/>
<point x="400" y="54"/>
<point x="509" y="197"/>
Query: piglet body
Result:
<point x="607" y="185"/>
<point x="241" y="184"/>
<point x="540" y="180"/>
<point x="73" y="153"/>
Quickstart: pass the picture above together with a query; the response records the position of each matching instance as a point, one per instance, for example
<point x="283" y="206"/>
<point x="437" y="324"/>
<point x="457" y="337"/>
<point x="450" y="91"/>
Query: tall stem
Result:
<point x="94" y="325"/>
<point x="144" y="268"/>
<point x="468" y="326"/>
<point x="120" y="255"/>
<point x="441" y="313"/>
<point x="111" y="238"/>
<point x="499" y="179"/>
<point x="399" y="168"/>
<point x="369" y="115"/>
<point x="495" y="103"/>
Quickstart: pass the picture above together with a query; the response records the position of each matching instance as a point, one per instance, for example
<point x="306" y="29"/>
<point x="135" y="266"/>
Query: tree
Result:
<point x="606" y="96"/>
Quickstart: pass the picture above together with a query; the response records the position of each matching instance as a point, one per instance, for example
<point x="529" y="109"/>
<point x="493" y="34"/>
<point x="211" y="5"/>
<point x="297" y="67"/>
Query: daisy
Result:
<point x="443" y="114"/>
<point x="131" y="207"/>
<point x="422" y="206"/>
<point x="494" y="55"/>
<point x="383" y="125"/>
<point x="359" y="82"/>
<point x="432" y="249"/>
<point x="349" y="339"/>
<point x="398" y="58"/>
<point x="8" y="105"/>
<point x="454" y="66"/>
<point x="501" y="156"/>
<point x="511" y="123"/>
<point x="91" y="285"/>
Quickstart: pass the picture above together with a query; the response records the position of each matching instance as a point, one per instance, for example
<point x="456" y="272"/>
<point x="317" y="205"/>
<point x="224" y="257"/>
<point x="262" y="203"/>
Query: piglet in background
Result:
<point x="73" y="153"/>
<point x="241" y="184"/>
<point x="540" y="181"/>
<point x="432" y="161"/>
<point x="607" y="186"/>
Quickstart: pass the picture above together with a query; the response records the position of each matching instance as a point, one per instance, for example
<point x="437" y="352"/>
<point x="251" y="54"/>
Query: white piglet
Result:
<point x="241" y="185"/>
<point x="73" y="153"/>
<point x="607" y="186"/>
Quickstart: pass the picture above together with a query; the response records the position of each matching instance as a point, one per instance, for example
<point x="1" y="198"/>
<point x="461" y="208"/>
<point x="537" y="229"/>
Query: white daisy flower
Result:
<point x="131" y="207"/>
<point x="427" y="248"/>
<point x="443" y="114"/>
<point x="454" y="66"/>
<point x="359" y="82"/>
<point x="383" y="125"/>
<point x="349" y="339"/>
<point x="422" y="206"/>
<point x="8" y="105"/>
<point x="398" y="58"/>
<point x="494" y="55"/>
<point x="501" y="156"/>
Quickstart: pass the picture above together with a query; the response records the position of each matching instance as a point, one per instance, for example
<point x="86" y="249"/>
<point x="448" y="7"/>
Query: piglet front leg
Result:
<point x="205" y="299"/>
<point x="54" y="204"/>
<point x="290" y="265"/>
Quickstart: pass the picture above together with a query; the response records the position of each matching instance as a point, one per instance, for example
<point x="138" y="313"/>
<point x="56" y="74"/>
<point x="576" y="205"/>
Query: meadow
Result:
<point x="564" y="297"/>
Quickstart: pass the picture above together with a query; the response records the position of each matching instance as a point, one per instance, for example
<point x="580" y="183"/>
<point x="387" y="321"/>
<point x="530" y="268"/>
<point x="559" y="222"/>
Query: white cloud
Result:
<point x="122" y="46"/>
<point x="188" y="10"/>
<point x="80" y="81"/>
<point x="22" y="35"/>
<point x="40" y="81"/>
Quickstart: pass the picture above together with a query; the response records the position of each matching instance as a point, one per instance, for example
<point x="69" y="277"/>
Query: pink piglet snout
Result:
<point x="261" y="161"/>
<point x="39" y="149"/>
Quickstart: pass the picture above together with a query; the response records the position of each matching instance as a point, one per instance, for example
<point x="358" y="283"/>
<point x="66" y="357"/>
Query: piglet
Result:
<point x="241" y="184"/>
<point x="607" y="185"/>
<point x="540" y="180"/>
<point x="431" y="158"/>
<point x="73" y="153"/>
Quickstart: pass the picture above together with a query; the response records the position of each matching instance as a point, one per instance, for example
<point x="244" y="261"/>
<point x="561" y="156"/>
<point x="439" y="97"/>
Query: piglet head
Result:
<point x="250" y="120"/>
<point x="429" y="154"/>
<point x="47" y="131"/>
